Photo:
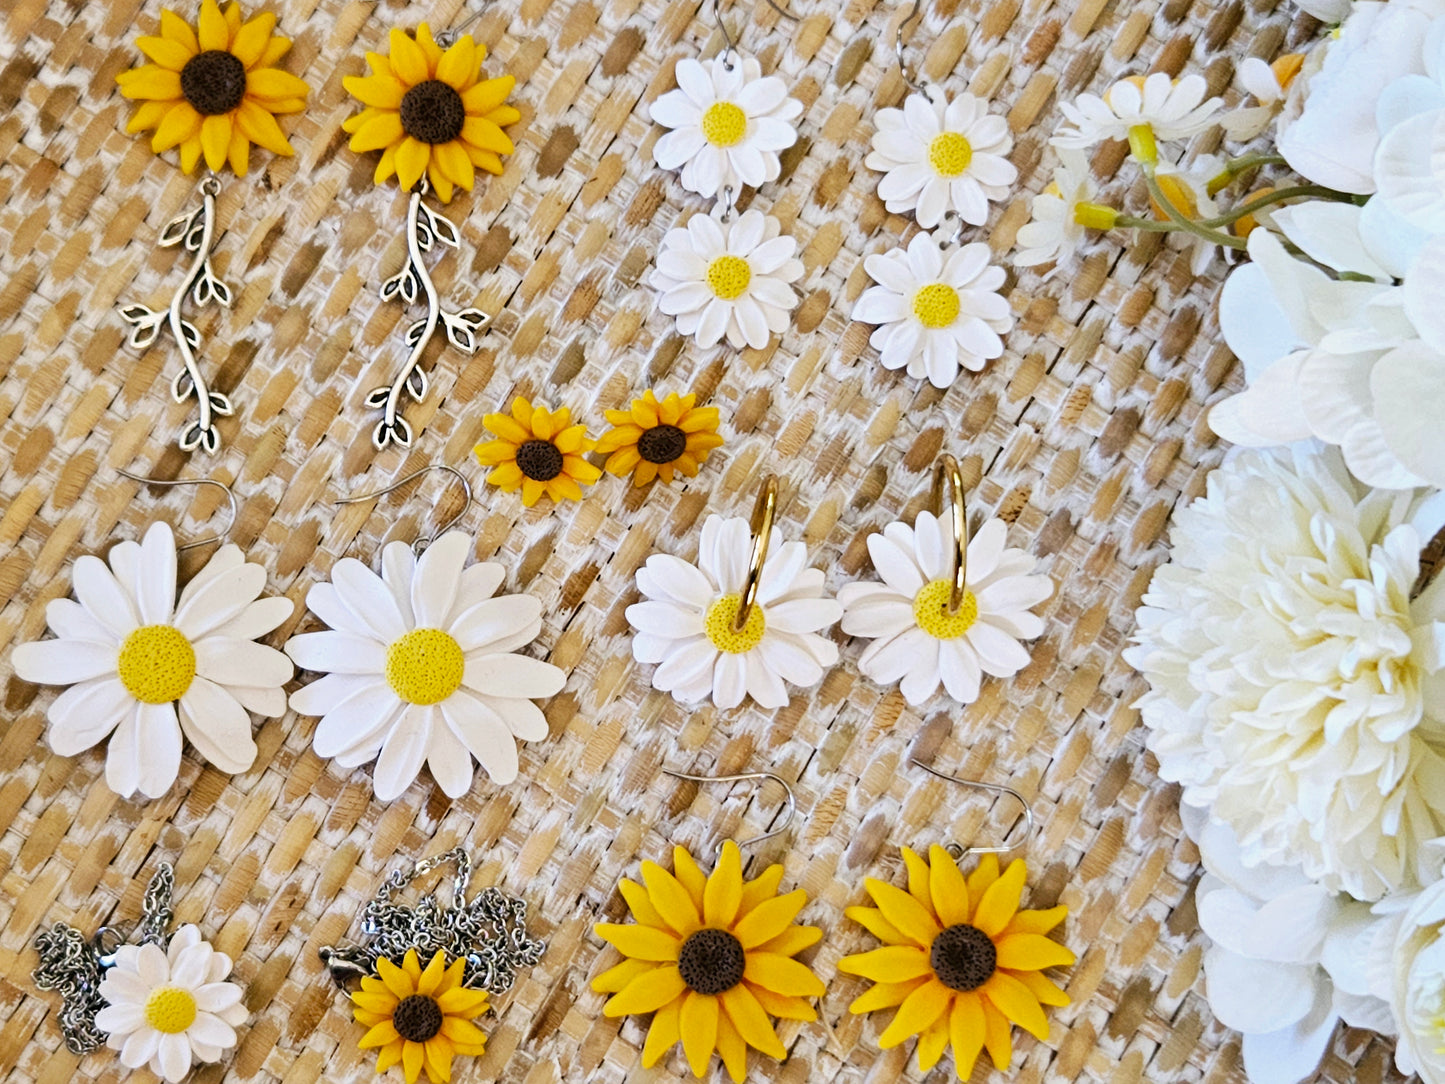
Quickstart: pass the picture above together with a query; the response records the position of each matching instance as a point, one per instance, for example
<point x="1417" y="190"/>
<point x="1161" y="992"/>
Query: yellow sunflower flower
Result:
<point x="711" y="957"/>
<point x="655" y="437"/>
<point x="419" y="1019"/>
<point x="214" y="90"/>
<point x="961" y="962"/>
<point x="540" y="451"/>
<point x="430" y="113"/>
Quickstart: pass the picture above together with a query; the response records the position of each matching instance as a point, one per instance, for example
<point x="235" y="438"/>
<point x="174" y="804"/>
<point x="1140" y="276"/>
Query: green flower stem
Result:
<point x="1299" y="191"/>
<point x="1185" y="224"/>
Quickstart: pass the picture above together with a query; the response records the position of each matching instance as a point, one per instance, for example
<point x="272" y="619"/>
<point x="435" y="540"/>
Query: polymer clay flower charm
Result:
<point x="538" y="451"/>
<point x="711" y="956"/>
<point x="145" y="667"/>
<point x="687" y="623"/>
<point x="960" y="961"/>
<point x="166" y="1007"/>
<point x="937" y="309"/>
<point x="728" y="123"/>
<point x="421" y="668"/>
<point x="656" y="438"/>
<point x="732" y="279"/>
<point x="939" y="156"/>
<point x="419" y="1018"/>
<point x="916" y="641"/>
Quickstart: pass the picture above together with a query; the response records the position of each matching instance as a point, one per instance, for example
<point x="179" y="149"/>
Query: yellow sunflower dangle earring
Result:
<point x="436" y="122"/>
<point x="211" y="91"/>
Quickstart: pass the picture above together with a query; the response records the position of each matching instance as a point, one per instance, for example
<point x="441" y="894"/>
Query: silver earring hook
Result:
<point x="790" y="802"/>
<point x="222" y="486"/>
<point x="450" y="36"/>
<point x="730" y="47"/>
<point x="992" y="788"/>
<point x="913" y="13"/>
<point x="422" y="543"/>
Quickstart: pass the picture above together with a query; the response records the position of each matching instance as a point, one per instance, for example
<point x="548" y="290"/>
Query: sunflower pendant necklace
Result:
<point x="209" y="91"/>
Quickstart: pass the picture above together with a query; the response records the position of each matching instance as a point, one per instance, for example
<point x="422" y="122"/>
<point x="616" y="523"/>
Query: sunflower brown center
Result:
<point x="662" y="443"/>
<point x="417" y="1018"/>
<point x="711" y="961"/>
<point x="213" y="82"/>
<point x="540" y="460"/>
<point x="433" y="112"/>
<point x="963" y="957"/>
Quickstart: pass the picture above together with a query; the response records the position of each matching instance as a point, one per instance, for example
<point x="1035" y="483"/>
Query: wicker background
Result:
<point x="1084" y="436"/>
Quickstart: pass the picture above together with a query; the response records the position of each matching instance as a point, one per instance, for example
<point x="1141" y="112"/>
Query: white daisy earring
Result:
<point x="949" y="609"/>
<point x="727" y="275"/>
<point x="161" y="1001"/>
<point x="739" y="622"/>
<point x="420" y="662"/>
<point x="145" y="667"/>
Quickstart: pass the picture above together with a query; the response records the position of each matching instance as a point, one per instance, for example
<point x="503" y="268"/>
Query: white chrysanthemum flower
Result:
<point x="420" y="668"/>
<point x="729" y="278"/>
<point x="133" y="654"/>
<point x="1295" y="686"/>
<point x="941" y="156"/>
<point x="1172" y="109"/>
<point x="1409" y="967"/>
<point x="1054" y="232"/>
<point x="685" y="626"/>
<point x="937" y="310"/>
<point x="916" y="641"/>
<point x="728" y="123"/>
<point x="167" y="1008"/>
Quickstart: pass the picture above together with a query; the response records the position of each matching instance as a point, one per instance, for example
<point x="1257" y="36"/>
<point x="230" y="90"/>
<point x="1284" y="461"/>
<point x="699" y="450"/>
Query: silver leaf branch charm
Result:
<point x="195" y="232"/>
<point x="424" y="228"/>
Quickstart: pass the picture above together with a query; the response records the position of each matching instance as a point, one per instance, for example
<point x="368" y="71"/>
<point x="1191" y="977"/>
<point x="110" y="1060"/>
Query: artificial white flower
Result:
<point x="132" y="655"/>
<point x="421" y="668"/>
<point x="916" y="641"/>
<point x="685" y="625"/>
<point x="940" y="156"/>
<point x="1054" y="232"/>
<point x="1409" y="169"/>
<point x="728" y="123"/>
<point x="1269" y="83"/>
<point x="937" y="310"/>
<point x="167" y="1008"/>
<point x="1172" y="108"/>
<point x="1326" y="11"/>
<point x="729" y="278"/>
<point x="1295" y="686"/>
<point x="1410" y="967"/>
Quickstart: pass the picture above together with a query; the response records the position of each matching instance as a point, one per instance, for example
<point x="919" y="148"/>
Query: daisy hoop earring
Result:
<point x="711" y="956"/>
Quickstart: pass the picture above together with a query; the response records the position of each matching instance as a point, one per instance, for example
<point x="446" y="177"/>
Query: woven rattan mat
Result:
<point x="1083" y="436"/>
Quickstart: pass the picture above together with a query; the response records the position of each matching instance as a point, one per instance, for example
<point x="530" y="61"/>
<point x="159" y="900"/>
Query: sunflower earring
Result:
<point x="420" y="664"/>
<point x="960" y="962"/>
<point x="436" y="122"/>
<point x="161" y="1001"/>
<point x="427" y="972"/>
<point x="146" y="667"/>
<point x="210" y="91"/>
<point x="711" y="955"/>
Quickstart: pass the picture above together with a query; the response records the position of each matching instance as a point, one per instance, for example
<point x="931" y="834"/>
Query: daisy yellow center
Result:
<point x="157" y="664"/>
<point x="719" y="625"/>
<point x="728" y="276"/>
<point x="930" y="610"/>
<point x="170" y="1010"/>
<point x="724" y="124"/>
<point x="950" y="153"/>
<point x="425" y="666"/>
<point x="936" y="305"/>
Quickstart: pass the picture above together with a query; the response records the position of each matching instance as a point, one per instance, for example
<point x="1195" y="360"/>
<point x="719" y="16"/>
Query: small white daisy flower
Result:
<point x="1269" y="83"/>
<point x="1054" y="233"/>
<point x="940" y="156"/>
<point x="686" y="624"/>
<point x="167" y="1008"/>
<point x="420" y="668"/>
<point x="133" y="655"/>
<point x="728" y="123"/>
<point x="916" y="641"/>
<point x="729" y="278"/>
<point x="937" y="310"/>
<point x="1172" y="109"/>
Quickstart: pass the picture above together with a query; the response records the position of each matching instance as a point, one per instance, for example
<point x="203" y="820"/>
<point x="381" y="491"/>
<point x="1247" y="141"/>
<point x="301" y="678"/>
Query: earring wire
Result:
<point x="730" y="47"/>
<point x="449" y="37"/>
<point x="913" y="13"/>
<point x="790" y="802"/>
<point x="992" y="788"/>
<point x="422" y="543"/>
<point x="219" y="536"/>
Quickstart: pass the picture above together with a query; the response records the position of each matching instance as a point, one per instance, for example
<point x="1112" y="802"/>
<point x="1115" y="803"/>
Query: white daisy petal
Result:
<point x="218" y="726"/>
<point x="100" y="593"/>
<point x="61" y="662"/>
<point x="123" y="757"/>
<point x="241" y="662"/>
<point x="398" y="568"/>
<point x="438" y="578"/>
<point x="139" y="1047"/>
<point x="257" y="619"/>
<point x="86" y="713"/>
<point x="523" y="718"/>
<point x="672" y="579"/>
<point x="156" y="590"/>
<point x="358" y="722"/>
<point x="365" y="594"/>
<point x="337" y="653"/>
<point x="729" y="681"/>
<point x="448" y="759"/>
<point x="403" y="753"/>
<point x="484" y="732"/>
<point x="214" y="997"/>
<point x="69" y="620"/>
<point x="514" y="676"/>
<point x="804" y="615"/>
<point x="158" y="737"/>
<point x="220" y="600"/>
<point x="665" y="619"/>
<point x="175" y="1058"/>
<point x="323" y="695"/>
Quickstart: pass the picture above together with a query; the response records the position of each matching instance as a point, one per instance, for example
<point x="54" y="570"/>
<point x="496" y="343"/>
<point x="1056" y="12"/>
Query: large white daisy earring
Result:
<point x="420" y="664"/>
<point x="161" y="1001"/>
<point x="742" y="621"/>
<point x="146" y="667"/>
<point x="949" y="609"/>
